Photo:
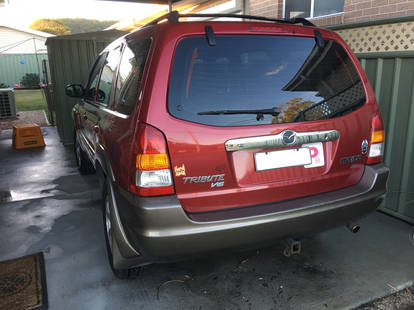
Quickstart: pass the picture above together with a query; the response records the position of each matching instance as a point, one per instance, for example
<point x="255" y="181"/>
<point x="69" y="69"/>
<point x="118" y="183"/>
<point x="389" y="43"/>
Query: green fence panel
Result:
<point x="392" y="77"/>
<point x="71" y="61"/>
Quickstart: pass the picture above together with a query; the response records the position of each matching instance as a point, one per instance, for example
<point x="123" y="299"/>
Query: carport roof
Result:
<point x="29" y="31"/>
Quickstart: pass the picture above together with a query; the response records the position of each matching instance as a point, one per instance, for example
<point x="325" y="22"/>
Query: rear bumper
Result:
<point x="159" y="230"/>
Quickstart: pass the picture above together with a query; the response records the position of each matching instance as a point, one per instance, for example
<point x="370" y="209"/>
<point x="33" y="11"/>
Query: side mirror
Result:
<point x="74" y="90"/>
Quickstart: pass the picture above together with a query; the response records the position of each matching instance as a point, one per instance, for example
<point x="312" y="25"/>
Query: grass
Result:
<point x="30" y="100"/>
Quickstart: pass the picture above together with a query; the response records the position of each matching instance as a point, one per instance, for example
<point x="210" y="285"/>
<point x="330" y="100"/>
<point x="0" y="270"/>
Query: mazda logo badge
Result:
<point x="288" y="137"/>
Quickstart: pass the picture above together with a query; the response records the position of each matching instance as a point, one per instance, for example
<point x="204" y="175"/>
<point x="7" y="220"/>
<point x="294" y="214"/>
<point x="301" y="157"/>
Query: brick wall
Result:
<point x="267" y="8"/>
<point x="354" y="10"/>
<point x="363" y="10"/>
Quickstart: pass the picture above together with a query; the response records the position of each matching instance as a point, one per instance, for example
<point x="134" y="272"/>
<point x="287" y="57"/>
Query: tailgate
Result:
<point x="260" y="119"/>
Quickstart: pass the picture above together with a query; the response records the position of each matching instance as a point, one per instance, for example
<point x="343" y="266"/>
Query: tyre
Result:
<point x="130" y="273"/>
<point x="82" y="161"/>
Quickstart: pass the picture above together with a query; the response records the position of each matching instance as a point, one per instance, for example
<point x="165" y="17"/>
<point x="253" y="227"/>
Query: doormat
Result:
<point x="23" y="283"/>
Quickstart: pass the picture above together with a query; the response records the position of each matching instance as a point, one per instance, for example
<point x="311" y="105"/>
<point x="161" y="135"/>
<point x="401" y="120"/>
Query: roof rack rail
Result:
<point x="174" y="16"/>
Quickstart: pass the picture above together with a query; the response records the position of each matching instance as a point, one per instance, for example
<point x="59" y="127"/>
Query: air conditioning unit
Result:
<point x="7" y="103"/>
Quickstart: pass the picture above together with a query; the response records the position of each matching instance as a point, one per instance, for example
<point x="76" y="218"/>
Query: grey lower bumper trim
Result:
<point x="160" y="229"/>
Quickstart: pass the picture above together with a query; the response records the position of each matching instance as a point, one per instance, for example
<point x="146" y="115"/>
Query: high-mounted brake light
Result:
<point x="152" y="175"/>
<point x="267" y="28"/>
<point x="376" y="149"/>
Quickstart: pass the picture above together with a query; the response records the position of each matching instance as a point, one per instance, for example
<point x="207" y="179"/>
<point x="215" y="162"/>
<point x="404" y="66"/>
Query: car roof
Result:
<point x="177" y="25"/>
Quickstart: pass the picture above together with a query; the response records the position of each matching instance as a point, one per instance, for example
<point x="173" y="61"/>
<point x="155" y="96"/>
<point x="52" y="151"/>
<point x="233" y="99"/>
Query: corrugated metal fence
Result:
<point x="392" y="77"/>
<point x="386" y="51"/>
<point x="14" y="66"/>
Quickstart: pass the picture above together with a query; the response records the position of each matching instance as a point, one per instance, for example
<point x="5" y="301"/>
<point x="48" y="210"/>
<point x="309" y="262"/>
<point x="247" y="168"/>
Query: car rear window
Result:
<point x="255" y="80"/>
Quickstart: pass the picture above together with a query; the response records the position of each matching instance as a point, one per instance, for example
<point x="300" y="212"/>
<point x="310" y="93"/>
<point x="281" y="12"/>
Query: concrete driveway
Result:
<point x="53" y="209"/>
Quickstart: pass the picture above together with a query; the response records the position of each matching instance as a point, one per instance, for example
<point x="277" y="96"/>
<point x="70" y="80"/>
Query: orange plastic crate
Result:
<point x="26" y="136"/>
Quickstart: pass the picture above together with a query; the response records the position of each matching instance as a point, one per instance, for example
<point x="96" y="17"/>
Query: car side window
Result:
<point x="91" y="93"/>
<point x="107" y="76"/>
<point x="130" y="75"/>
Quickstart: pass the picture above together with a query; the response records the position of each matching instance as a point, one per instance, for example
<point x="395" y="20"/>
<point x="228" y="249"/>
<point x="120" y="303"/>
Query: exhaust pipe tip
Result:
<point x="353" y="228"/>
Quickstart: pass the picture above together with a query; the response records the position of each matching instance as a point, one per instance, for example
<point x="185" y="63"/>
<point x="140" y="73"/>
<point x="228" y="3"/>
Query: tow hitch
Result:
<point x="292" y="247"/>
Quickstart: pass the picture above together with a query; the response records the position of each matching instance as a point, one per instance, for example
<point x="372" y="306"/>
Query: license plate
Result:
<point x="282" y="159"/>
<point x="309" y="155"/>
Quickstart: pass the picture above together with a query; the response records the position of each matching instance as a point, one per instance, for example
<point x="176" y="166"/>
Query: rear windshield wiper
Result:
<point x="259" y="113"/>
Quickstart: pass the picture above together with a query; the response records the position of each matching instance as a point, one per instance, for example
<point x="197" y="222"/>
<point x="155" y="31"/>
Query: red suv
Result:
<point x="209" y="135"/>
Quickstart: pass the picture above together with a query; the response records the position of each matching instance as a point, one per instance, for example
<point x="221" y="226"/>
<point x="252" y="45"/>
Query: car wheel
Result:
<point x="130" y="273"/>
<point x="82" y="162"/>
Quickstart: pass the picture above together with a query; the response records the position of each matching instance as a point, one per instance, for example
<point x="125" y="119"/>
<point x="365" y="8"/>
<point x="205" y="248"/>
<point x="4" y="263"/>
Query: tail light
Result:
<point x="376" y="149"/>
<point x="151" y="164"/>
